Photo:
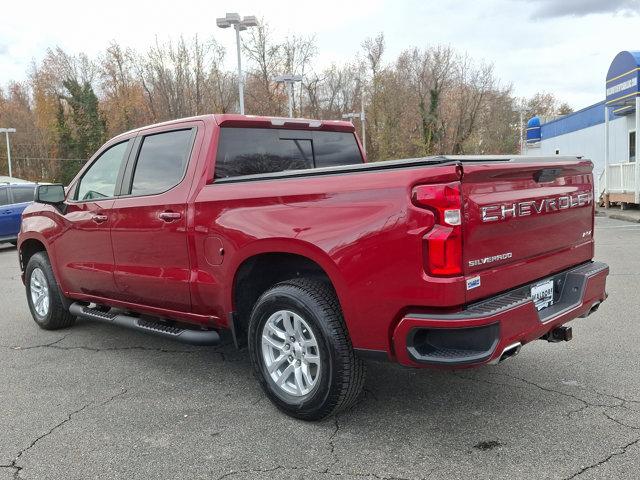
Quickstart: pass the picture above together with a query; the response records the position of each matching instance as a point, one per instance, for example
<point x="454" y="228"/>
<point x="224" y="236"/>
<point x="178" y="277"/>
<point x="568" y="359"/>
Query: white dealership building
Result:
<point x="604" y="132"/>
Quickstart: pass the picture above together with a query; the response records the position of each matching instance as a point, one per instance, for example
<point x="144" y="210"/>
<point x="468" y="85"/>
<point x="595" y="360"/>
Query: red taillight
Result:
<point x="443" y="243"/>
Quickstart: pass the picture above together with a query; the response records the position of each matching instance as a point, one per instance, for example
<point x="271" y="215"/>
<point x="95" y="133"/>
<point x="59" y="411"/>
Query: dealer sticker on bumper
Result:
<point x="542" y="294"/>
<point x="473" y="282"/>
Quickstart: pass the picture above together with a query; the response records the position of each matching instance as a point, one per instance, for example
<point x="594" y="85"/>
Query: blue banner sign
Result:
<point x="622" y="82"/>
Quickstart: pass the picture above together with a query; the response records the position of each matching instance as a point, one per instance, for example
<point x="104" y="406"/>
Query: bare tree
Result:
<point x="266" y="60"/>
<point x="472" y="86"/>
<point x="430" y="72"/>
<point x="298" y="53"/>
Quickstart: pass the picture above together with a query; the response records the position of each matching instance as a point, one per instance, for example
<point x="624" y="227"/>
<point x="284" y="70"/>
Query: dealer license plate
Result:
<point x="542" y="294"/>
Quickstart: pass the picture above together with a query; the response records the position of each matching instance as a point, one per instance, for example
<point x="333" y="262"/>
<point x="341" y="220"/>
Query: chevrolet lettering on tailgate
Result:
<point x="494" y="213"/>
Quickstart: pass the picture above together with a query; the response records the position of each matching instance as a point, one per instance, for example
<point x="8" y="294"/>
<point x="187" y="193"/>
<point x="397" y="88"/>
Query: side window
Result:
<point x="4" y="196"/>
<point x="161" y="162"/>
<point x="251" y="151"/>
<point x="22" y="194"/>
<point x="99" y="181"/>
<point x="632" y="146"/>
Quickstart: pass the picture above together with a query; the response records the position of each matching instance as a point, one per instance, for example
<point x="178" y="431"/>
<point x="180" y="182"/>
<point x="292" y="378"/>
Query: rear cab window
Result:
<point x="4" y="196"/>
<point x="254" y="151"/>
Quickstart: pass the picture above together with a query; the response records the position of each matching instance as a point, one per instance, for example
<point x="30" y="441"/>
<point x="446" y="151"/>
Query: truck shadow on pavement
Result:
<point x="507" y="389"/>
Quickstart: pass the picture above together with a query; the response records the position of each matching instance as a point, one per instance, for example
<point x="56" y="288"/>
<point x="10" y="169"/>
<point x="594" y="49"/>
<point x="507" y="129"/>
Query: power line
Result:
<point x="45" y="159"/>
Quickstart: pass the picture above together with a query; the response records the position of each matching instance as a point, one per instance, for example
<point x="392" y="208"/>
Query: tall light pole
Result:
<point x="239" y="25"/>
<point x="6" y="132"/>
<point x="361" y="116"/>
<point x="289" y="80"/>
<point x="521" y="133"/>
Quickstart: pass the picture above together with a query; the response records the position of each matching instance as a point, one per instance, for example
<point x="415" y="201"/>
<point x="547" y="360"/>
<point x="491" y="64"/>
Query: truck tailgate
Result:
<point x="514" y="212"/>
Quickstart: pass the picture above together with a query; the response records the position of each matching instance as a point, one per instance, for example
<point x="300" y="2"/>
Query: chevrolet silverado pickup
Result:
<point x="276" y="234"/>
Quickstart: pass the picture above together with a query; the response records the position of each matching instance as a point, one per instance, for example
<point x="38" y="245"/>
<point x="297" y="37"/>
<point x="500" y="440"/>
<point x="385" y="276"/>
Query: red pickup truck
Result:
<point x="277" y="234"/>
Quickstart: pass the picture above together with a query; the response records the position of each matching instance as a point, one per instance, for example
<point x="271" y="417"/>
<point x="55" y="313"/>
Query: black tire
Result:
<point x="57" y="316"/>
<point x="342" y="372"/>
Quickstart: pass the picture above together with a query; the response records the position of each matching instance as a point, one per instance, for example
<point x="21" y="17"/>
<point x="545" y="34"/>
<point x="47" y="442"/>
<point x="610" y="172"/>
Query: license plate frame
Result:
<point x="542" y="294"/>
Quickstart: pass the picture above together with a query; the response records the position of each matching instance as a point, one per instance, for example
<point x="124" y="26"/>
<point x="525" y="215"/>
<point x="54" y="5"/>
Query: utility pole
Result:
<point x="239" y="25"/>
<point x="521" y="134"/>
<point x="6" y="132"/>
<point x="361" y="116"/>
<point x="364" y="129"/>
<point x="288" y="81"/>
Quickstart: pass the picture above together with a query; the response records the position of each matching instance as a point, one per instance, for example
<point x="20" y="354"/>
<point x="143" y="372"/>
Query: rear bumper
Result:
<point x="481" y="332"/>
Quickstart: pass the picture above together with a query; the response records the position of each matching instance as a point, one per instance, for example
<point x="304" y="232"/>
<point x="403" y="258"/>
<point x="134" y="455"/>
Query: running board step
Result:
<point x="184" y="335"/>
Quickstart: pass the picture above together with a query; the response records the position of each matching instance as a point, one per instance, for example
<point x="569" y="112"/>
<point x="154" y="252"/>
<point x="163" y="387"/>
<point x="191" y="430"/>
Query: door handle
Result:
<point x="169" y="216"/>
<point x="100" y="218"/>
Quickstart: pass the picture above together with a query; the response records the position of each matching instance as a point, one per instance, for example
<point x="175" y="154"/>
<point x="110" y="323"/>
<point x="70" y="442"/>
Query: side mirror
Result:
<point x="50" y="194"/>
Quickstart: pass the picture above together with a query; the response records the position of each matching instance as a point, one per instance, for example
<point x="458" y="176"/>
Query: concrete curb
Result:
<point x="632" y="216"/>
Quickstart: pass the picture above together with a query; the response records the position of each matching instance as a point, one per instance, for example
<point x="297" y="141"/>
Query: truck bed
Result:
<point x="402" y="163"/>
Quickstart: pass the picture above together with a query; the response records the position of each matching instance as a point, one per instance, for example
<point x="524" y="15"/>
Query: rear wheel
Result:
<point x="43" y="295"/>
<point x="301" y="351"/>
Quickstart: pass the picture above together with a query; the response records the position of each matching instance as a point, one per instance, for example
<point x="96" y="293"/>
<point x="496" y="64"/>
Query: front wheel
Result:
<point x="301" y="351"/>
<point x="43" y="295"/>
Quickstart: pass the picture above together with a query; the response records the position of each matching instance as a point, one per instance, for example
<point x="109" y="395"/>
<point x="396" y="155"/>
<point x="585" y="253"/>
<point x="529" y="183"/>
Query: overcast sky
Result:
<point x="559" y="46"/>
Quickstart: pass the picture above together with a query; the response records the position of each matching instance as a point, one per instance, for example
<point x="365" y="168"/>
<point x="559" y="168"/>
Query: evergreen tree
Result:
<point x="80" y="125"/>
<point x="88" y="125"/>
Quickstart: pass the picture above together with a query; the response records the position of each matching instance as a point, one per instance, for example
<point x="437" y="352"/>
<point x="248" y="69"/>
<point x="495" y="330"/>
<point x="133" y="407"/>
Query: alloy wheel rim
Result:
<point x="290" y="353"/>
<point x="39" y="289"/>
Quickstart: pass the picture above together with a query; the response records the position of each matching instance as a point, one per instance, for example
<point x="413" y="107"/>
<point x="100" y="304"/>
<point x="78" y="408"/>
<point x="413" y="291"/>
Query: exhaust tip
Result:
<point x="594" y="308"/>
<point x="508" y="352"/>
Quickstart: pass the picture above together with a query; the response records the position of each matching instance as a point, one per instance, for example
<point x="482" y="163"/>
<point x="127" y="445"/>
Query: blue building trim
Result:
<point x="622" y="88"/>
<point x="579" y="120"/>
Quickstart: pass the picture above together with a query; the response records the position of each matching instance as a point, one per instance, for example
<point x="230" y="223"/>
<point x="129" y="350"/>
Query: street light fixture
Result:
<point x="361" y="116"/>
<point x="289" y="80"/>
<point x="6" y="132"/>
<point x="239" y="25"/>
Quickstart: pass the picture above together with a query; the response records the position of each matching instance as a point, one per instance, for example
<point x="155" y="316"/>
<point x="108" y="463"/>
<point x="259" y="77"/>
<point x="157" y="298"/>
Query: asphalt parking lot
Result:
<point x="95" y="401"/>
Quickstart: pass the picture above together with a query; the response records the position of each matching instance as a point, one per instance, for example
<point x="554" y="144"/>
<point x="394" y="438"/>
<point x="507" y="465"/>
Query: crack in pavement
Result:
<point x="622" y="424"/>
<point x="621" y="451"/>
<point x="332" y="444"/>
<point x="585" y="404"/>
<point x="54" y="345"/>
<point x="318" y="472"/>
<point x="95" y="349"/>
<point x="14" y="463"/>
<point x="44" y="345"/>
<point x="326" y="471"/>
<point x="559" y="392"/>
